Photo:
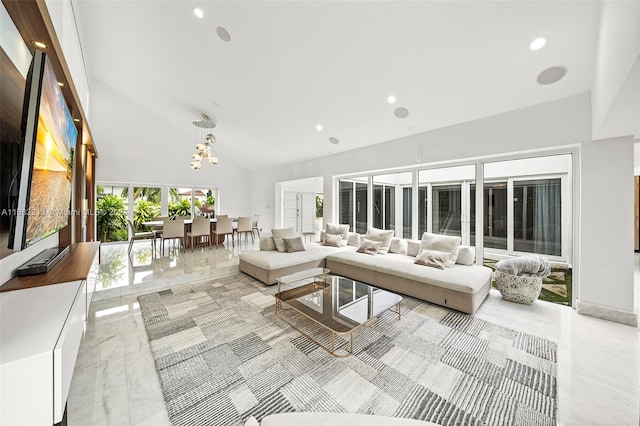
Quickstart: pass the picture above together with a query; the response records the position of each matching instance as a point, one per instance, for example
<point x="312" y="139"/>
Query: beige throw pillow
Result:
<point x="342" y="230"/>
<point x="354" y="239"/>
<point x="369" y="247"/>
<point x="267" y="243"/>
<point x="432" y="258"/>
<point x="383" y="236"/>
<point x="446" y="243"/>
<point x="293" y="245"/>
<point x="332" y="240"/>
<point x="279" y="234"/>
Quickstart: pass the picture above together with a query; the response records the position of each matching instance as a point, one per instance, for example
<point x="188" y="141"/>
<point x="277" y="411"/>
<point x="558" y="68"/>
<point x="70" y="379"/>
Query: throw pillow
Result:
<point x="384" y="236"/>
<point x="279" y="234"/>
<point x="369" y="247"/>
<point x="398" y="245"/>
<point x="432" y="258"/>
<point x="413" y="247"/>
<point x="342" y="230"/>
<point x="293" y="245"/>
<point x="267" y="243"/>
<point x="466" y="255"/>
<point x="332" y="240"/>
<point x="446" y="243"/>
<point x="353" y="239"/>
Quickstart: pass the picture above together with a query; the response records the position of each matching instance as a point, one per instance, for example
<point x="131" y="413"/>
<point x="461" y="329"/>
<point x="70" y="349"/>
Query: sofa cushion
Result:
<point x="398" y="245"/>
<point x="279" y="234"/>
<point x="293" y="244"/>
<point x="384" y="236"/>
<point x="432" y="258"/>
<point x="369" y="246"/>
<point x="267" y="243"/>
<point x="413" y="247"/>
<point x="466" y="255"/>
<point x="446" y="243"/>
<point x="353" y="239"/>
<point x="465" y="279"/>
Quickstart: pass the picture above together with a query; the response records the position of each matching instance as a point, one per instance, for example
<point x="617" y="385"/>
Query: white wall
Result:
<point x="560" y="123"/>
<point x="64" y="23"/>
<point x="139" y="164"/>
<point x="606" y="223"/>
<point x="616" y="90"/>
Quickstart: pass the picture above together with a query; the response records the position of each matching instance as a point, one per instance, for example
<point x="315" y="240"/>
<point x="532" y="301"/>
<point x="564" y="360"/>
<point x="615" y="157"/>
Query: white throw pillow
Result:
<point x="267" y="243"/>
<point x="384" y="236"/>
<point x="398" y="245"/>
<point x="466" y="255"/>
<point x="446" y="243"/>
<point x="413" y="247"/>
<point x="353" y="239"/>
<point x="279" y="234"/>
<point x="342" y="230"/>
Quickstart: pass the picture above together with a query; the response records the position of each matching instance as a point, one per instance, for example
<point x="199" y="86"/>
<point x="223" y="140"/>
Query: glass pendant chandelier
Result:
<point x="204" y="143"/>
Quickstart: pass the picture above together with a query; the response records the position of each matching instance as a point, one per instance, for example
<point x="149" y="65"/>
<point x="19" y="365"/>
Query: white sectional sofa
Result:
<point x="462" y="286"/>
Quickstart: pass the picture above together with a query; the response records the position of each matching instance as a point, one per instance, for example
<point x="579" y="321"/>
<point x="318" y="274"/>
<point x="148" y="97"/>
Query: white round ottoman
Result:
<point x="518" y="288"/>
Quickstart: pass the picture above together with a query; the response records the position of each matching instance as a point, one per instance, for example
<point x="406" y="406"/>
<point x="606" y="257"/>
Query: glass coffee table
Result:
<point x="337" y="304"/>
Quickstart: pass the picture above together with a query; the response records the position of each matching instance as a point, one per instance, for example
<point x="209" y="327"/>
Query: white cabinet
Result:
<point x="41" y="329"/>
<point x="42" y="320"/>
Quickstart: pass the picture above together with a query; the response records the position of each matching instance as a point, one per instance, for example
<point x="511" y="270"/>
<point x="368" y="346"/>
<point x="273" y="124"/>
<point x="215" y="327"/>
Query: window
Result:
<point x="352" y="205"/>
<point x="537" y="220"/>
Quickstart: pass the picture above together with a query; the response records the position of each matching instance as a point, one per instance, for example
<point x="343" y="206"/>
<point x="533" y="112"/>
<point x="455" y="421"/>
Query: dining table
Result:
<point x="219" y="239"/>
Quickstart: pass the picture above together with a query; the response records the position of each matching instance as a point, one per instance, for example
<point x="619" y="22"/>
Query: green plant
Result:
<point x="111" y="218"/>
<point x="144" y="211"/>
<point x="211" y="200"/>
<point x="319" y="206"/>
<point x="180" y="208"/>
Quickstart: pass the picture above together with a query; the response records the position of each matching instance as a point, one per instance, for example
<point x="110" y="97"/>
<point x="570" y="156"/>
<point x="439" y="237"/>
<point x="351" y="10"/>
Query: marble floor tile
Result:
<point x="115" y="382"/>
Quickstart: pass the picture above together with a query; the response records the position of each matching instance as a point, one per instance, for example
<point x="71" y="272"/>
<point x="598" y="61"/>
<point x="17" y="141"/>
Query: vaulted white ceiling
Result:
<point x="154" y="67"/>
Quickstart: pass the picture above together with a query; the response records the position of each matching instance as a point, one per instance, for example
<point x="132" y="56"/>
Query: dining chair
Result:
<point x="140" y="236"/>
<point x="244" y="227"/>
<point x="254" y="225"/>
<point x="172" y="230"/>
<point x="224" y="226"/>
<point x="158" y="228"/>
<point x="201" y="227"/>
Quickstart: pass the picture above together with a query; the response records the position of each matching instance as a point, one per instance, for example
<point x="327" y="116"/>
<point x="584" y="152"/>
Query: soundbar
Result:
<point x="43" y="262"/>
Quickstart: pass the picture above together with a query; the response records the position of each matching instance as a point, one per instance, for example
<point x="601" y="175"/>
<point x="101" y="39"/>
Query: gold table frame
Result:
<point x="310" y="281"/>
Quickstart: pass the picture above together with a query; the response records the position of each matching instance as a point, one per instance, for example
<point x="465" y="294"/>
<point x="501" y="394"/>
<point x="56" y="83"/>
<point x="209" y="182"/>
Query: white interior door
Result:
<point x="299" y="211"/>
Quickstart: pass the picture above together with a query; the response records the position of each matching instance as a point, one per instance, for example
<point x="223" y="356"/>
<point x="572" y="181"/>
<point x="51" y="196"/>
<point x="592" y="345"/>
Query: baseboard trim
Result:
<point x="609" y="314"/>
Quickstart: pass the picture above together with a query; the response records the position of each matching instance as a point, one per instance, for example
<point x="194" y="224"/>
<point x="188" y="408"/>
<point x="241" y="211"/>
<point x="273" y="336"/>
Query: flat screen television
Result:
<point x="46" y="169"/>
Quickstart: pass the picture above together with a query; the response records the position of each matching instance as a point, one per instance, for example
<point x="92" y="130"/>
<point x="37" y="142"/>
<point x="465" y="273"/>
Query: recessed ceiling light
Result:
<point x="401" y="112"/>
<point x="334" y="141"/>
<point x="40" y="44"/>
<point x="538" y="43"/>
<point x="391" y="99"/>
<point x="61" y="84"/>
<point x="223" y="34"/>
<point x="552" y="74"/>
<point x="319" y="127"/>
<point x="198" y="12"/>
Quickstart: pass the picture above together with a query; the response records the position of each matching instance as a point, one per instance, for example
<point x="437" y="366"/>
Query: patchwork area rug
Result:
<point x="222" y="356"/>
